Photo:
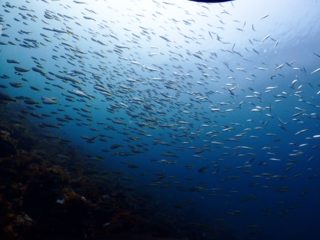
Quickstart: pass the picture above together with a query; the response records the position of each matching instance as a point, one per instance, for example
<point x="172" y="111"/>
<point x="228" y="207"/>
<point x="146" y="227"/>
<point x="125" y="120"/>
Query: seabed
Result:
<point x="49" y="190"/>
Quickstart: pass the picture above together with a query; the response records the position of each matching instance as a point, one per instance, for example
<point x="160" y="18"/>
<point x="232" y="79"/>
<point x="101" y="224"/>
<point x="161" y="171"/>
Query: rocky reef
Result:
<point x="50" y="191"/>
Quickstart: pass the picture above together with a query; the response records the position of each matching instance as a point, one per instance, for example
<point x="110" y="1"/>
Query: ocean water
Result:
<point x="212" y="109"/>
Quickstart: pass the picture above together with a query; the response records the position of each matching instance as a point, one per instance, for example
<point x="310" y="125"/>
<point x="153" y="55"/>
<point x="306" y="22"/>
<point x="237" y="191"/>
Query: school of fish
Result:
<point x="151" y="100"/>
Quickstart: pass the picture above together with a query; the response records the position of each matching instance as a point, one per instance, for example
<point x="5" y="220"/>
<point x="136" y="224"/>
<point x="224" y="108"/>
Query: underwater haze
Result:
<point x="212" y="109"/>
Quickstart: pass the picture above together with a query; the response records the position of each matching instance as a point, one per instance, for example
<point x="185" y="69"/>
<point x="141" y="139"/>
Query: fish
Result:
<point x="12" y="61"/>
<point x="315" y="71"/>
<point x="49" y="100"/>
<point x="29" y="101"/>
<point x="301" y="131"/>
<point x="265" y="38"/>
<point x="4" y="98"/>
<point x="264" y="17"/>
<point x="21" y="69"/>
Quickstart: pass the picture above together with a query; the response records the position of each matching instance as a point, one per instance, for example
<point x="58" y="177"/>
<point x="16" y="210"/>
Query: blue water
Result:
<point x="213" y="109"/>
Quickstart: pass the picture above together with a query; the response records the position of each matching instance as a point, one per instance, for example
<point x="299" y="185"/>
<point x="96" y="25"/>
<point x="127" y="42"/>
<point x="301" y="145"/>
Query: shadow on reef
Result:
<point x="49" y="191"/>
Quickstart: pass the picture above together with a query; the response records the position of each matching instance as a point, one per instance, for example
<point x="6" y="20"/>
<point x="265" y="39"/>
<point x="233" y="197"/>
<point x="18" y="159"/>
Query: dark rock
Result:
<point x="6" y="149"/>
<point x="25" y="143"/>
